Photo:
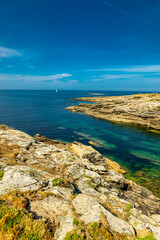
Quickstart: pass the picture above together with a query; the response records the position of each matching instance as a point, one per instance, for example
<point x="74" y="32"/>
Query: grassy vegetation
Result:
<point x="95" y="231"/>
<point x="146" y="238"/>
<point x="75" y="222"/>
<point x="1" y="175"/>
<point x="16" y="223"/>
<point x="57" y="181"/>
<point x="128" y="207"/>
<point x="74" y="236"/>
<point x="91" y="185"/>
<point x="72" y="157"/>
<point x="87" y="176"/>
<point x="90" y="182"/>
<point x="98" y="231"/>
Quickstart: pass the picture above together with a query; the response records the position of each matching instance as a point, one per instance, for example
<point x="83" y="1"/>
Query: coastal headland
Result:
<point x="55" y="190"/>
<point x="140" y="109"/>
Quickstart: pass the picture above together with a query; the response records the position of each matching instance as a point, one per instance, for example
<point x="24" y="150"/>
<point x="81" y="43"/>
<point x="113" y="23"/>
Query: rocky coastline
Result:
<point x="140" y="109"/>
<point x="69" y="191"/>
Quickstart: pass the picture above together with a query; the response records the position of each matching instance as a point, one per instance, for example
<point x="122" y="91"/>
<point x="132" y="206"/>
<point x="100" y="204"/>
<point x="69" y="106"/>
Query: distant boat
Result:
<point x="56" y="90"/>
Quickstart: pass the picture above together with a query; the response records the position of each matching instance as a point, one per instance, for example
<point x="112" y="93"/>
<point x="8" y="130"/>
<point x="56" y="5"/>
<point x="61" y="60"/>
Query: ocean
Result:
<point x="44" y="112"/>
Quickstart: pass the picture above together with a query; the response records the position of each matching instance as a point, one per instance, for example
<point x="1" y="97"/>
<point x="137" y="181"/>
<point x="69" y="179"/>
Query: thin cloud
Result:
<point x="133" y="69"/>
<point x="10" y="66"/>
<point x="8" y="52"/>
<point x="129" y="14"/>
<point x="121" y="76"/>
<point x="117" y="77"/>
<point x="30" y="78"/>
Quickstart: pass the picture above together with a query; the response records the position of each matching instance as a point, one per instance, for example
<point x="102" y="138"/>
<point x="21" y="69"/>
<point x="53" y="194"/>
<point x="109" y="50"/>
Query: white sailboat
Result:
<point x="56" y="90"/>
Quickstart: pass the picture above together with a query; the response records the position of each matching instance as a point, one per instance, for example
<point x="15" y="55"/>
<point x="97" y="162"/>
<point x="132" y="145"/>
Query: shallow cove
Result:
<point x="44" y="112"/>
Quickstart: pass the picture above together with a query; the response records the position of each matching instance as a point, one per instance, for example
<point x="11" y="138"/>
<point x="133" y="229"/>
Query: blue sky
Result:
<point x="80" y="45"/>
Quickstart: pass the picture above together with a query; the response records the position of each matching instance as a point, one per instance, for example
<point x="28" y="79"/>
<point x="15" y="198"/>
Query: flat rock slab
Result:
<point x="19" y="178"/>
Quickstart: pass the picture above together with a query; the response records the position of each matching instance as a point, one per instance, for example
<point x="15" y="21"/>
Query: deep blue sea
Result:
<point x="44" y="112"/>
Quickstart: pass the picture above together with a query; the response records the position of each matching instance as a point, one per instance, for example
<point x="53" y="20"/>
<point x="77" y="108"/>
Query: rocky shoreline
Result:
<point x="140" y="109"/>
<point x="69" y="191"/>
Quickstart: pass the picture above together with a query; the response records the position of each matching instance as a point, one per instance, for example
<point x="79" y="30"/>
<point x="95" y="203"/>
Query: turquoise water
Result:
<point x="44" y="112"/>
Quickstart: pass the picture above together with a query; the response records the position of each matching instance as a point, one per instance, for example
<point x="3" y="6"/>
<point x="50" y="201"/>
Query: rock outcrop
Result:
<point x="73" y="187"/>
<point x="140" y="109"/>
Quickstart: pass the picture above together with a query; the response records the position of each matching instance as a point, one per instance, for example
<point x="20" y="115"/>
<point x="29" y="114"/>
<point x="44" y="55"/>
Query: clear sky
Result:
<point x="80" y="45"/>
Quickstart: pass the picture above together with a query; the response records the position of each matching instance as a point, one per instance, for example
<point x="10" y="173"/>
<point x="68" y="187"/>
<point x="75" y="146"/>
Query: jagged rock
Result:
<point x="62" y="192"/>
<point x="76" y="170"/>
<point x="66" y="225"/>
<point x="114" y="176"/>
<point x="119" y="225"/>
<point x="89" y="153"/>
<point x="155" y="230"/>
<point x="55" y="208"/>
<point x="50" y="207"/>
<point x="156" y="218"/>
<point x="90" y="211"/>
<point x="115" y="166"/>
<point x="84" y="187"/>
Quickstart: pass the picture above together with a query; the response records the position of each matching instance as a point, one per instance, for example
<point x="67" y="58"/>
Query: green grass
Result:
<point x="76" y="194"/>
<point x="74" y="236"/>
<point x="146" y="238"/>
<point x="17" y="223"/>
<point x="75" y="222"/>
<point x="72" y="157"/>
<point x="98" y="231"/>
<point x="1" y="175"/>
<point x="94" y="226"/>
<point x="57" y="181"/>
<point x="128" y="207"/>
<point x="90" y="183"/>
<point x="87" y="176"/>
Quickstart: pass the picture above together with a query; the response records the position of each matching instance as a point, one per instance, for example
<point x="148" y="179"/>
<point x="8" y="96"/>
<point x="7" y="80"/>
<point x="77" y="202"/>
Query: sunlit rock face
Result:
<point x="140" y="109"/>
<point x="74" y="186"/>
